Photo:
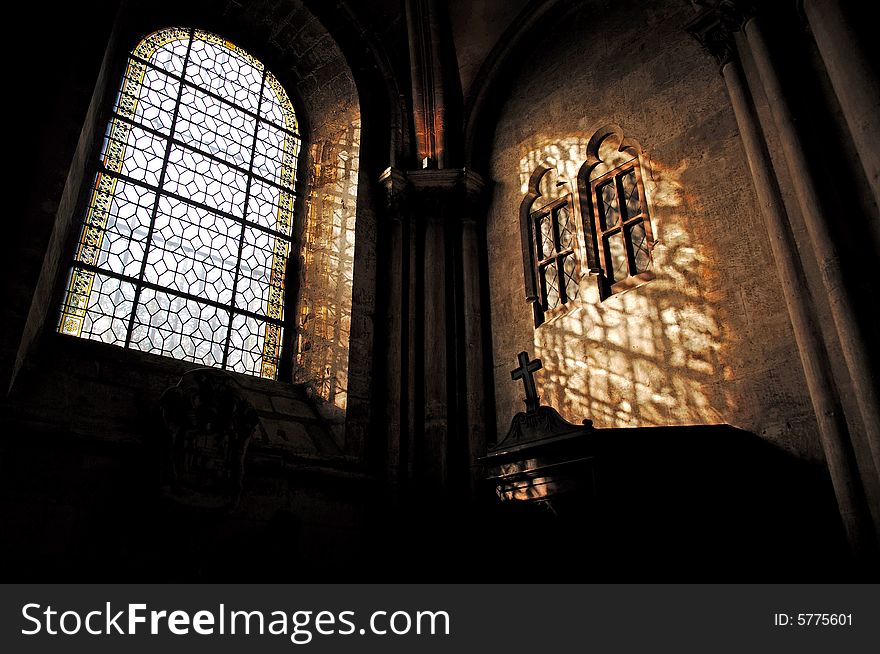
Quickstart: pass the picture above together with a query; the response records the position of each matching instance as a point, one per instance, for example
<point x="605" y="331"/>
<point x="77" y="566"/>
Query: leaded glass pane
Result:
<point x="631" y="194"/>
<point x="269" y="151"/>
<point x="215" y="128"/>
<point x="545" y="226"/>
<point x="551" y="284"/>
<point x="216" y="67"/>
<point x="608" y="212"/>
<point x="563" y="223"/>
<point x="275" y="106"/>
<point x="206" y="180"/>
<point x="617" y="253"/>
<point x="639" y="240"/>
<point x="134" y="152"/>
<point x="249" y="342"/>
<point x="168" y="259"/>
<point x="193" y="250"/>
<point x="154" y="105"/>
<point x="178" y="327"/>
<point x="270" y="207"/>
<point x="109" y="304"/>
<point x="166" y="49"/>
<point x="276" y="147"/>
<point x="121" y="249"/>
<point x="572" y="281"/>
<point x="261" y="267"/>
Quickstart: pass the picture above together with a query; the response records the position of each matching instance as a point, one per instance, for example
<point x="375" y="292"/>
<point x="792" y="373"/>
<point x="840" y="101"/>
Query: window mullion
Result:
<point x="247" y="195"/>
<point x="623" y="223"/>
<point x="161" y="183"/>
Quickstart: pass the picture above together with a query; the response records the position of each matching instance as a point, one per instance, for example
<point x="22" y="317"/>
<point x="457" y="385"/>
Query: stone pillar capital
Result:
<point x="434" y="186"/>
<point x="394" y="182"/>
<point x="447" y="178"/>
<point x="716" y="23"/>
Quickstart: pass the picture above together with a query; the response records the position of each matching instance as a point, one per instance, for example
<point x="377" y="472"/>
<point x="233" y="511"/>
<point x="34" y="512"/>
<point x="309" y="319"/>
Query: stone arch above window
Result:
<point x="551" y="243"/>
<point x="615" y="209"/>
<point x="188" y="220"/>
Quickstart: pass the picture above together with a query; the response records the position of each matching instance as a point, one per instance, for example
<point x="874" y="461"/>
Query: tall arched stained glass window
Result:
<point x="185" y="238"/>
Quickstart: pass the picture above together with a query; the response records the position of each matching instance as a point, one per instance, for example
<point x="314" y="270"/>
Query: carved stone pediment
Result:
<point x="541" y="456"/>
<point x="543" y="423"/>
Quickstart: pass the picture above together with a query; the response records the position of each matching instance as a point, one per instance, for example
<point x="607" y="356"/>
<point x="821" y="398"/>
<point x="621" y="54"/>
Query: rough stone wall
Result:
<point x="708" y="340"/>
<point x="324" y="309"/>
<point x="49" y="148"/>
<point x="324" y="316"/>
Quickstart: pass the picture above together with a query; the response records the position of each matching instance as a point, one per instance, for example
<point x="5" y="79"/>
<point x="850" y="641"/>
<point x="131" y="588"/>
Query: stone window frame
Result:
<point x="595" y="254"/>
<point x="588" y="248"/>
<point x="557" y="257"/>
<point x="115" y="111"/>
<point x="635" y="277"/>
<point x="533" y="261"/>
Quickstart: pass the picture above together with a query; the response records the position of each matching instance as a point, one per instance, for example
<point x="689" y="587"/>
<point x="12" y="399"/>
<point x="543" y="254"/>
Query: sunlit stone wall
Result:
<point x="323" y="318"/>
<point x="708" y="340"/>
<point x="328" y="251"/>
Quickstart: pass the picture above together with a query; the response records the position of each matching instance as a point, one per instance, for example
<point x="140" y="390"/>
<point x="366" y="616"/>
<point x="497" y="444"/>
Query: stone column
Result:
<point x="712" y="32"/>
<point x="396" y="213"/>
<point x="855" y="83"/>
<point x="433" y="255"/>
<point x="818" y="224"/>
<point x="428" y="79"/>
<point x="433" y="191"/>
<point x="836" y="444"/>
<point x="472" y="214"/>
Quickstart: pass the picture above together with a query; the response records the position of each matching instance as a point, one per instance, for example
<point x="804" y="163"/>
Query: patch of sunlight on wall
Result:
<point x="651" y="355"/>
<point x="328" y="263"/>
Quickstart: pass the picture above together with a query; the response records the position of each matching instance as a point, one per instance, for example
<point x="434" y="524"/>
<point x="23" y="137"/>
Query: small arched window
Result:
<point x="555" y="243"/>
<point x="611" y="186"/>
<point x="551" y="244"/>
<point x="187" y="227"/>
<point x="621" y="222"/>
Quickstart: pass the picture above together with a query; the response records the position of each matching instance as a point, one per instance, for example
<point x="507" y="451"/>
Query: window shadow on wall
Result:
<point x="324" y="320"/>
<point x="652" y="355"/>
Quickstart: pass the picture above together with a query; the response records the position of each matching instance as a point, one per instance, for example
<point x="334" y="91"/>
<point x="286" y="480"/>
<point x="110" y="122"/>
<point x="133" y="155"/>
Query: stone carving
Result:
<point x="542" y="423"/>
<point x="542" y="455"/>
<point x="526" y="371"/>
<point x="716" y="23"/>
<point x="537" y="422"/>
<point x="210" y="425"/>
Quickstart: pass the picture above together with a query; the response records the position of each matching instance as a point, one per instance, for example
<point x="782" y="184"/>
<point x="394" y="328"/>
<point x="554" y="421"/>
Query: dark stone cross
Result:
<point x="525" y="372"/>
